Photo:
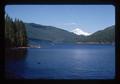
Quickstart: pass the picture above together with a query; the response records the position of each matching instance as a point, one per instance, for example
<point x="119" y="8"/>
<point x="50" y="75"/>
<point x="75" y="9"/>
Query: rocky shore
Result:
<point x="30" y="46"/>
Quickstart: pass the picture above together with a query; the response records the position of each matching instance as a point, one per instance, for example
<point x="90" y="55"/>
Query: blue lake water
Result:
<point x="66" y="61"/>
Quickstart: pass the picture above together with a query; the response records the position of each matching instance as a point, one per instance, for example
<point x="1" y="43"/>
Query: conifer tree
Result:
<point x="15" y="33"/>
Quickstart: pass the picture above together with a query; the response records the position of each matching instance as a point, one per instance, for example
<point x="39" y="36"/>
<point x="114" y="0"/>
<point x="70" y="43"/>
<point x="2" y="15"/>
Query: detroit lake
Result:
<point x="66" y="61"/>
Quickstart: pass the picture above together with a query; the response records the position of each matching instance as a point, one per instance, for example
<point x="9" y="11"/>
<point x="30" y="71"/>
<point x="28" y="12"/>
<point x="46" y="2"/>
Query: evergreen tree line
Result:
<point x="15" y="33"/>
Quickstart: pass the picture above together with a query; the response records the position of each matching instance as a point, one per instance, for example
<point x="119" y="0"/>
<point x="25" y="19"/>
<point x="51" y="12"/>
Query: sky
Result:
<point x="89" y="18"/>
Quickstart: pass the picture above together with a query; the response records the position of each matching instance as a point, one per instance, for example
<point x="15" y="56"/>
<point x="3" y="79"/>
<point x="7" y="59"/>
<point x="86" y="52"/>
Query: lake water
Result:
<point x="66" y="61"/>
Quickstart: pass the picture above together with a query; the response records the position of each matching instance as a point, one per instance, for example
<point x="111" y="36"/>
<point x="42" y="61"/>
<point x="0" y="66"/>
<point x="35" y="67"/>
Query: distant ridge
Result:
<point x="49" y="33"/>
<point x="57" y="35"/>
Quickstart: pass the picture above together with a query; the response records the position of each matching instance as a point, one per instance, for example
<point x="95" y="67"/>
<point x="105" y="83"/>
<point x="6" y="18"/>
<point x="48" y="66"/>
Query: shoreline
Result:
<point x="24" y="47"/>
<point x="81" y="43"/>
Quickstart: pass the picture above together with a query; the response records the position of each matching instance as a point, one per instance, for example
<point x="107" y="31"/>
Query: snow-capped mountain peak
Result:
<point x="80" y="32"/>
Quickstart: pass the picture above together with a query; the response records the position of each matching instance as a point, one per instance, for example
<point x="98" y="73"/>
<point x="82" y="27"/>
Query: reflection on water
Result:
<point x="14" y="62"/>
<point x="64" y="62"/>
<point x="15" y="53"/>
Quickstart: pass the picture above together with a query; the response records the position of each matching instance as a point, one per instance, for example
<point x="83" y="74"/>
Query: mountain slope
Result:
<point x="57" y="35"/>
<point x="107" y="35"/>
<point x="50" y="33"/>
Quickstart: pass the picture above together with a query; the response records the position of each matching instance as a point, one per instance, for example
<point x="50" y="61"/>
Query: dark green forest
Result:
<point x="15" y="33"/>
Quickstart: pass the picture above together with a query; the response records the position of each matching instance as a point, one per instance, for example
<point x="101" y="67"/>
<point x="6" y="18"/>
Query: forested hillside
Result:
<point x="53" y="34"/>
<point x="49" y="33"/>
<point x="15" y="33"/>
